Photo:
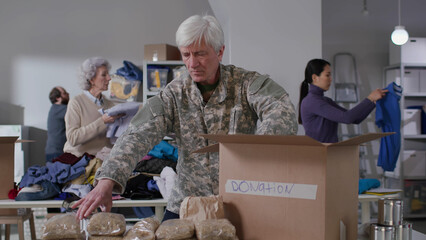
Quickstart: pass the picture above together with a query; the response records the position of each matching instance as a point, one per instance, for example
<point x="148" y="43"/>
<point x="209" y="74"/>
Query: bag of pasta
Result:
<point x="62" y="226"/>
<point x="106" y="224"/>
<point x="175" y="229"/>
<point x="143" y="230"/>
<point x="215" y="229"/>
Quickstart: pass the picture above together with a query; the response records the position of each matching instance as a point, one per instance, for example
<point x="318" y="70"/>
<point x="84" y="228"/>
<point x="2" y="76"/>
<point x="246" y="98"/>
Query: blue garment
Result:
<point x="164" y="150"/>
<point x="152" y="186"/>
<point x="367" y="184"/>
<point x="49" y="190"/>
<point x="321" y="115"/>
<point x="55" y="131"/>
<point x="143" y="212"/>
<point x="388" y="118"/>
<point x="56" y="172"/>
<point x="130" y="71"/>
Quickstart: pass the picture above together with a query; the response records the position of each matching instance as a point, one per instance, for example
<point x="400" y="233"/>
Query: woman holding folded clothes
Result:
<point x="319" y="114"/>
<point x="85" y="126"/>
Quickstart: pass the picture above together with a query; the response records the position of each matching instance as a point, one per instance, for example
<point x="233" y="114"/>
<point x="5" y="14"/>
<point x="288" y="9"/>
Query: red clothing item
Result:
<point x="70" y="159"/>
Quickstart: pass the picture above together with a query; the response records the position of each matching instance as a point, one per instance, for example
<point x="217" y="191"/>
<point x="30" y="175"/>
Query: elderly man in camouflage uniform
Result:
<point x="208" y="98"/>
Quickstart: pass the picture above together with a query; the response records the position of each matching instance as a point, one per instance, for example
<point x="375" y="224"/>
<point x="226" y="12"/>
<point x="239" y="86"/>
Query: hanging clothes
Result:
<point x="388" y="118"/>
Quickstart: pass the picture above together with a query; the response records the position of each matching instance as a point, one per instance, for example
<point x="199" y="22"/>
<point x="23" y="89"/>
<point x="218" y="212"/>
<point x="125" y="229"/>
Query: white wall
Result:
<point x="42" y="42"/>
<point x="272" y="37"/>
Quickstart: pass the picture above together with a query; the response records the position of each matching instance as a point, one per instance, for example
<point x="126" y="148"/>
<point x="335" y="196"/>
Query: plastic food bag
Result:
<point x="106" y="224"/>
<point x="105" y="237"/>
<point x="175" y="229"/>
<point x="62" y="226"/>
<point x="143" y="230"/>
<point x="215" y="229"/>
<point x="202" y="208"/>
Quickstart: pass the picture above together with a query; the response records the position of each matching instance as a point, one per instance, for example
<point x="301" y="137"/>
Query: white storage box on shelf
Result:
<point x="422" y="80"/>
<point x="414" y="163"/>
<point x="412" y="122"/>
<point x="413" y="52"/>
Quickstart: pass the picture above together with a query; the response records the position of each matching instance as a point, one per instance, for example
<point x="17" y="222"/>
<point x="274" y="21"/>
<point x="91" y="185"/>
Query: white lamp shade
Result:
<point x="399" y="35"/>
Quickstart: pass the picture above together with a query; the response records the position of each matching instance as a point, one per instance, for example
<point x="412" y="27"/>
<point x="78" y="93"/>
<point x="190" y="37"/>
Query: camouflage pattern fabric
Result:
<point x="239" y="101"/>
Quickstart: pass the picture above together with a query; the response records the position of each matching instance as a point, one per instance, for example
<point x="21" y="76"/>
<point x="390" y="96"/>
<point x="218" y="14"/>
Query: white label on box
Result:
<point x="272" y="189"/>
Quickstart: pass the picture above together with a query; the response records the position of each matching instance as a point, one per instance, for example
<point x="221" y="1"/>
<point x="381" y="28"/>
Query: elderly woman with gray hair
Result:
<point x="85" y="126"/>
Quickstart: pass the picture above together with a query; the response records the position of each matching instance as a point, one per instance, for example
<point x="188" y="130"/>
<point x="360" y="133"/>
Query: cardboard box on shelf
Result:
<point x="289" y="187"/>
<point x="161" y="52"/>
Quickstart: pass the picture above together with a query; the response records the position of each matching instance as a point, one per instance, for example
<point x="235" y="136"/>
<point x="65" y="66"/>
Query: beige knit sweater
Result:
<point x="85" y="129"/>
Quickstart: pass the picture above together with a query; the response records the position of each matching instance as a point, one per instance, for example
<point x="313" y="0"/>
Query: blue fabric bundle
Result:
<point x="130" y="71"/>
<point x="367" y="184"/>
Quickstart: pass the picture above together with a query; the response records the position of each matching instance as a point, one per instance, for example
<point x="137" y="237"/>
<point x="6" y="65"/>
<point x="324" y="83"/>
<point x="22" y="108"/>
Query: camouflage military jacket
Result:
<point x="241" y="99"/>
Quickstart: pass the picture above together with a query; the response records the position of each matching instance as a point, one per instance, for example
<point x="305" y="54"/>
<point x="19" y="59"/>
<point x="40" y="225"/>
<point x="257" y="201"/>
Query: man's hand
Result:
<point x="100" y="196"/>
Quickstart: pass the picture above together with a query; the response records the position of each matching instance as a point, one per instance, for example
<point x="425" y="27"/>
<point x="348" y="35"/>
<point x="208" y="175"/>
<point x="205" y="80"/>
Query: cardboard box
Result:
<point x="411" y="122"/>
<point x="289" y="187"/>
<point x="7" y="159"/>
<point x="161" y="52"/>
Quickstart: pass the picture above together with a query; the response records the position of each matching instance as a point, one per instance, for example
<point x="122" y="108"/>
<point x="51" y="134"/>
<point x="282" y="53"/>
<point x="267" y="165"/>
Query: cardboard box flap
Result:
<point x="211" y="148"/>
<point x="361" y="139"/>
<point x="8" y="139"/>
<point x="263" y="139"/>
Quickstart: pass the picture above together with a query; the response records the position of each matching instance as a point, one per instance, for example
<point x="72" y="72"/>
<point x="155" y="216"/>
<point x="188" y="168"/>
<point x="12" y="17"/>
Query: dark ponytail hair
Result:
<point x="314" y="66"/>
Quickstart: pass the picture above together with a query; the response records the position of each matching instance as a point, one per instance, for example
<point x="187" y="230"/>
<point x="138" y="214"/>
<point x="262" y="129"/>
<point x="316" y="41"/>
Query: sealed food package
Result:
<point x="202" y="208"/>
<point x="62" y="226"/>
<point x="106" y="224"/>
<point x="143" y="230"/>
<point x="215" y="229"/>
<point x="105" y="237"/>
<point x="175" y="229"/>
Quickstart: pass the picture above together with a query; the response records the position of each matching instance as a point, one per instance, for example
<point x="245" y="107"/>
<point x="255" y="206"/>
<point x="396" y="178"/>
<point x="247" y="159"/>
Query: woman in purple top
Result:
<point x="320" y="115"/>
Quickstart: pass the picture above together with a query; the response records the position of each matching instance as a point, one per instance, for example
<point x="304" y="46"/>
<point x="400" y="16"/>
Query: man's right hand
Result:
<point x="100" y="196"/>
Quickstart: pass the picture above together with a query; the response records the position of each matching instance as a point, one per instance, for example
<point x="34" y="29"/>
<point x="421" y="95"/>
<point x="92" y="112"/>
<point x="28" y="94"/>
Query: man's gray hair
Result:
<point x="198" y="28"/>
<point x="88" y="70"/>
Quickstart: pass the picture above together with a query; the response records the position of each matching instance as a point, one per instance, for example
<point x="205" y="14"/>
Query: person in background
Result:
<point x="320" y="115"/>
<point x="85" y="125"/>
<point x="207" y="98"/>
<point x="56" y="138"/>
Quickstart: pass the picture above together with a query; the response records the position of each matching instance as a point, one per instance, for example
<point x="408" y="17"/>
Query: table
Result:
<point x="365" y="199"/>
<point x="159" y="204"/>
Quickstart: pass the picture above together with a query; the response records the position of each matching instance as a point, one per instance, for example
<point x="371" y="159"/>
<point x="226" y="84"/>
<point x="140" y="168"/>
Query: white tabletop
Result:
<point x="9" y="203"/>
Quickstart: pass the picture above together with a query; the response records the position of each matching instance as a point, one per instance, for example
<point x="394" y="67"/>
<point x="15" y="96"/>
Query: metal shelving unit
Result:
<point x="170" y="64"/>
<point x="414" y="186"/>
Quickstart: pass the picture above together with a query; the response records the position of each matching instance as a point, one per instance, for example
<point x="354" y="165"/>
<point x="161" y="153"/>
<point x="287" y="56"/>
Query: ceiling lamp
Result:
<point x="399" y="35"/>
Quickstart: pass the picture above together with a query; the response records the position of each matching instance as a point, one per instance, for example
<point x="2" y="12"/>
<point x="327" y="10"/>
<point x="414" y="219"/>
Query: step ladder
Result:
<point x="346" y="94"/>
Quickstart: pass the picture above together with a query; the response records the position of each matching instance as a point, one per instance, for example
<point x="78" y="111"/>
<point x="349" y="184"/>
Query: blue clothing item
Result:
<point x="321" y="115"/>
<point x="367" y="184"/>
<point x="143" y="212"/>
<point x="169" y="215"/>
<point x="56" y="172"/>
<point x="152" y="186"/>
<point x="164" y="150"/>
<point x="56" y="129"/>
<point x="388" y="118"/>
<point x="130" y="71"/>
<point x="49" y="190"/>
